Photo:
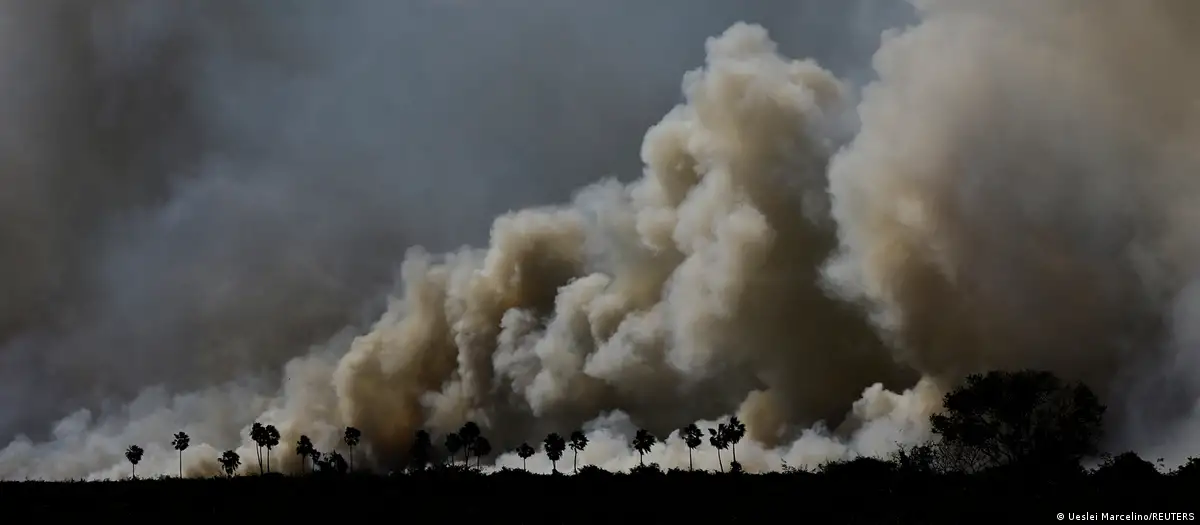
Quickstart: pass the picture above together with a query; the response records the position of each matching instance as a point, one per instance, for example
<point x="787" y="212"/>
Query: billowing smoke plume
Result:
<point x="1011" y="191"/>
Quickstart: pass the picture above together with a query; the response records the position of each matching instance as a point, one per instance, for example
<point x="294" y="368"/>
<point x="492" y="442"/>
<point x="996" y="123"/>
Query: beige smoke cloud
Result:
<point x="1018" y="195"/>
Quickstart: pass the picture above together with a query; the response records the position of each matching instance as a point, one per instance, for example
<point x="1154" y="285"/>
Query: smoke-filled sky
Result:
<point x="402" y="215"/>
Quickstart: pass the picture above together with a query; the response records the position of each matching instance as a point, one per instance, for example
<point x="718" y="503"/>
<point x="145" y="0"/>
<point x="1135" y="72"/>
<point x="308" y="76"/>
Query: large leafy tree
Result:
<point x="1024" y="417"/>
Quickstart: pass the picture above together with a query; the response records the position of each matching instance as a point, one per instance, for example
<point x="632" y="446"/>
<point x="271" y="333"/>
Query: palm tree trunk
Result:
<point x="351" y="459"/>
<point x="524" y="466"/>
<point x="180" y="464"/>
<point x="258" y="451"/>
<point x="733" y="447"/>
<point x="575" y="462"/>
<point x="640" y="459"/>
<point x="689" y="459"/>
<point x="268" y="459"/>
<point x="719" y="463"/>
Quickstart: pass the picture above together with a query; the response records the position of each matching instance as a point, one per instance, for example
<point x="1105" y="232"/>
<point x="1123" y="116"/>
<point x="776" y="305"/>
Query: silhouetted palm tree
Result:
<point x="717" y="440"/>
<point x="304" y="449"/>
<point x="482" y="448"/>
<point x="314" y="457"/>
<point x="272" y="441"/>
<point x="453" y="445"/>
<point x="351" y="437"/>
<point x="468" y="434"/>
<point x="134" y="455"/>
<point x="180" y="443"/>
<point x="643" y="441"/>
<point x="692" y="437"/>
<point x="525" y="452"/>
<point x="555" y="446"/>
<point x="579" y="441"/>
<point x="258" y="434"/>
<point x="419" y="453"/>
<point x="229" y="461"/>
<point x="734" y="432"/>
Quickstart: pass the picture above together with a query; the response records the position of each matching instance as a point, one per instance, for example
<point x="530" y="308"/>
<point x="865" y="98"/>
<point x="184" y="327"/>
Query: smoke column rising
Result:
<point x="1012" y="191"/>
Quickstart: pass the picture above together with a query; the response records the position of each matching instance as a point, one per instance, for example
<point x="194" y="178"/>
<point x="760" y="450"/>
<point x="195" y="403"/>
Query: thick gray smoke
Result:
<point x="197" y="192"/>
<point x="1012" y="191"/>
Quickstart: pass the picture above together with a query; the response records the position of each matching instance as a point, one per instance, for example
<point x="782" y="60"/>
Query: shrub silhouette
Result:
<point x="1017" y="417"/>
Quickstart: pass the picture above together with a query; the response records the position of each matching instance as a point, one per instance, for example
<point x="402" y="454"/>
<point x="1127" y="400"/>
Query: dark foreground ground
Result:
<point x="862" y="495"/>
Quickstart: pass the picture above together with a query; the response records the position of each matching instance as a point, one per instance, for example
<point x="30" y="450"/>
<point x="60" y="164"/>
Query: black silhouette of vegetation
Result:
<point x="1010" y="447"/>
<point x="420" y="450"/>
<point x="351" y="437"/>
<point x="180" y="443"/>
<point x="134" y="455"/>
<point x="525" y="452"/>
<point x="304" y="449"/>
<point x="230" y="461"/>
<point x="555" y="446"/>
<point x="453" y="445"/>
<point x="643" y="441"/>
<point x="579" y="441"/>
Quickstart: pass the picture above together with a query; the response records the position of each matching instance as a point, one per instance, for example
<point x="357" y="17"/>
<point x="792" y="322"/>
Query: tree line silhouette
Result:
<point x="1027" y="419"/>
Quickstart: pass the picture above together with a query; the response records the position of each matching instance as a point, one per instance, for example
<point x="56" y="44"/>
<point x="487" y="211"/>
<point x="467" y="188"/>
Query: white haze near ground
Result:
<point x="1016" y="193"/>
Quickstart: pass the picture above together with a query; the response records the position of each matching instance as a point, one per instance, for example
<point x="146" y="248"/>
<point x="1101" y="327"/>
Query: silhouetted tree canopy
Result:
<point x="134" y="455"/>
<point x="351" y="437"/>
<point x="579" y="441"/>
<point x="229" y="461"/>
<point x="271" y="440"/>
<point x="716" y="438"/>
<point x="180" y="442"/>
<point x="555" y="446"/>
<point x="468" y="434"/>
<point x="643" y="441"/>
<point x="1016" y="417"/>
<point x="258" y="434"/>
<point x="692" y="437"/>
<point x="482" y="447"/>
<point x="524" y="452"/>
<point x="304" y="449"/>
